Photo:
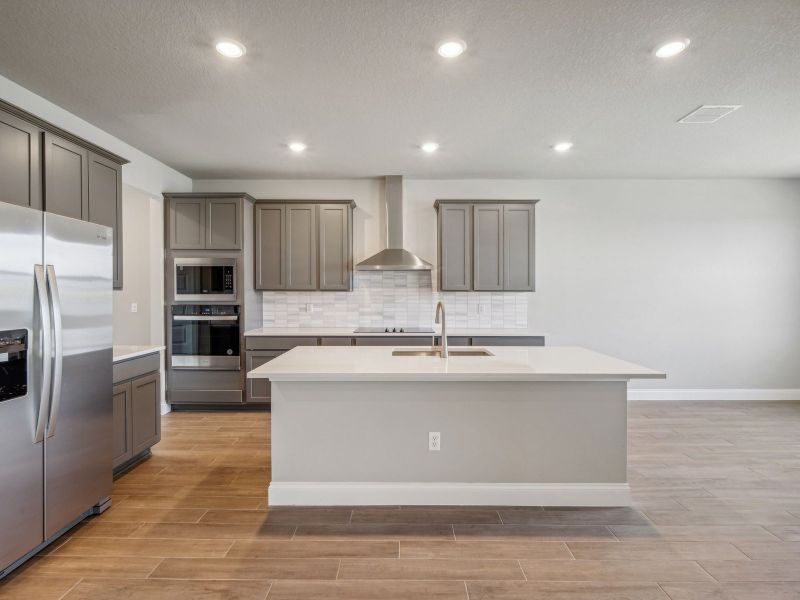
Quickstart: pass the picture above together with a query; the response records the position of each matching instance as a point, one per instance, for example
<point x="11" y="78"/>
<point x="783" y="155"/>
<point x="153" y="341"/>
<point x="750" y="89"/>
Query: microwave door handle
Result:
<point x="52" y="283"/>
<point x="47" y="350"/>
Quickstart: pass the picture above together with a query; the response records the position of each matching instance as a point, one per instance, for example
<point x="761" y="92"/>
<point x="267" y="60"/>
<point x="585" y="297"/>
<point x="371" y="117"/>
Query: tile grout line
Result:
<point x="525" y="575"/>
<point x="72" y="587"/>
<point x="154" y="568"/>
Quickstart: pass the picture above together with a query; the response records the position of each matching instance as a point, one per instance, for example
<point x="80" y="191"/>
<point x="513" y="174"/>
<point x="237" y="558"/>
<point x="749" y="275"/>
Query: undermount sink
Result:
<point x="438" y="353"/>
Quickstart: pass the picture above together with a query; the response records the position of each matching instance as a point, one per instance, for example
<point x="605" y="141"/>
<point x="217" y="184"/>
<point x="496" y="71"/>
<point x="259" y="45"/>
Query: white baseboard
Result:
<point x="713" y="394"/>
<point x="464" y="494"/>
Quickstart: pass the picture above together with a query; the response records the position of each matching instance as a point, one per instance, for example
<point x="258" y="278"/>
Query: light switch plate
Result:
<point x="134" y="307"/>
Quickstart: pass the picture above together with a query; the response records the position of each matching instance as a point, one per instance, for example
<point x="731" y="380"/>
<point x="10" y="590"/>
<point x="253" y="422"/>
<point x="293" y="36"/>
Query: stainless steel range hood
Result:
<point x="395" y="257"/>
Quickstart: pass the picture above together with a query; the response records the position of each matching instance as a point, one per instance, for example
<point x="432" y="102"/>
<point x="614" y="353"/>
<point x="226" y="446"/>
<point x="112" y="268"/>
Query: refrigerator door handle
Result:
<point x="47" y="348"/>
<point x="58" y="345"/>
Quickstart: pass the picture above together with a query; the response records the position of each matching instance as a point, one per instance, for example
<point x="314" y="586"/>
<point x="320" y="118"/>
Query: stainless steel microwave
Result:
<point x="205" y="279"/>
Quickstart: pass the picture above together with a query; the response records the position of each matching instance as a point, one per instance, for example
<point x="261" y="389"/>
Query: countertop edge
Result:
<point x="322" y="332"/>
<point x="143" y="351"/>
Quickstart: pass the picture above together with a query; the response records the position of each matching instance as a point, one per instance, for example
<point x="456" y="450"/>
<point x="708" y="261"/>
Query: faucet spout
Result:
<point x="440" y="318"/>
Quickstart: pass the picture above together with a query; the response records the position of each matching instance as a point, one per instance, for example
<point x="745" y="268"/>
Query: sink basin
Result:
<point x="438" y="353"/>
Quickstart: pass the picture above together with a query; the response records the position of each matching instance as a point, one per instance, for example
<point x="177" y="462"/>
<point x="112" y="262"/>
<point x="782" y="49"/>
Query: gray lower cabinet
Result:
<point x="303" y="245"/>
<point x="105" y="203"/>
<point x="486" y="246"/>
<point x="20" y="164"/>
<point x="394" y="341"/>
<point x="123" y="423"/>
<point x="66" y="177"/>
<point x="507" y="340"/>
<point x="136" y="408"/>
<point x="259" y="391"/>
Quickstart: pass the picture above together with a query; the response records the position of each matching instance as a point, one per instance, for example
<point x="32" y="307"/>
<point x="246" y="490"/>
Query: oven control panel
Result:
<point x="215" y="310"/>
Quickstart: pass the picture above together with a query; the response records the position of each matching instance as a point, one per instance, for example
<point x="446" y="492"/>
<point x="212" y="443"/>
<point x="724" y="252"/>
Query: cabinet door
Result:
<point x="105" y="203"/>
<point x="455" y="247"/>
<point x="301" y="247"/>
<point x="270" y="250"/>
<point x="123" y="448"/>
<point x="335" y="248"/>
<point x="20" y="162"/>
<point x="187" y="224"/>
<point x="145" y="412"/>
<point x="518" y="249"/>
<point x="488" y="246"/>
<point x="224" y="230"/>
<point x="66" y="178"/>
<point x="259" y="391"/>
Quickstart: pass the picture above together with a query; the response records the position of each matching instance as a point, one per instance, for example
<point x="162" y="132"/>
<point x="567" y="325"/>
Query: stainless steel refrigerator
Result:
<point x="55" y="377"/>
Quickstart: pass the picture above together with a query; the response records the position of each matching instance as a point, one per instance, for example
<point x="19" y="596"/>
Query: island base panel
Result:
<point x="502" y="443"/>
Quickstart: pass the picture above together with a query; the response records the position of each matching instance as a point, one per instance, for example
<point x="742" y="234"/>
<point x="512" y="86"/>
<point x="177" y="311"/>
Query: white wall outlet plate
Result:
<point x="434" y="441"/>
<point x="134" y="307"/>
<point x="483" y="309"/>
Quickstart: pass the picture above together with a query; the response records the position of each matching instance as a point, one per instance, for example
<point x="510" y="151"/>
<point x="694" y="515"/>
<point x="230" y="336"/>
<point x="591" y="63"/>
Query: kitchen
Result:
<point x="484" y="348"/>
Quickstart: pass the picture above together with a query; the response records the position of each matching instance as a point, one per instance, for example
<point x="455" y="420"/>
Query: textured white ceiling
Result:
<point x="360" y="83"/>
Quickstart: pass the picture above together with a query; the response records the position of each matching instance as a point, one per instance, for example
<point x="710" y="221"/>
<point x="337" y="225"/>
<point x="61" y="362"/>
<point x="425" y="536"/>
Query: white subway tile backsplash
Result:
<point x="394" y="299"/>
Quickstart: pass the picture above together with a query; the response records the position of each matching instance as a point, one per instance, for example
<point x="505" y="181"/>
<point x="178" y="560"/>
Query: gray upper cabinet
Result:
<point x="66" y="177"/>
<point x="518" y="241"/>
<point x="270" y="246"/>
<point x="303" y="245"/>
<point x="335" y="258"/>
<point x="224" y="224"/>
<point x="47" y="168"/>
<point x="187" y="224"/>
<point x="105" y="203"/>
<point x="198" y="222"/>
<point x="20" y="163"/>
<point x="488" y="248"/>
<point x="486" y="245"/>
<point x="455" y="249"/>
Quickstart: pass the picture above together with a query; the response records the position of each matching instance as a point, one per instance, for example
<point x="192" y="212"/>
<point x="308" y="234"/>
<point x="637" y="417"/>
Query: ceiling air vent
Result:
<point x="709" y="113"/>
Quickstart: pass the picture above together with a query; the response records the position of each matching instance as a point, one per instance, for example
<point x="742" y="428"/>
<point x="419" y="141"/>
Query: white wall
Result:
<point x="143" y="172"/>
<point x="699" y="278"/>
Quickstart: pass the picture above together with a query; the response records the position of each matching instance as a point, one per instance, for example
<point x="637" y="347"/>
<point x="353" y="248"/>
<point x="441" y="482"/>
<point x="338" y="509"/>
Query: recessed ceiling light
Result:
<point x="297" y="147"/>
<point x="563" y="147"/>
<point x="230" y="48"/>
<point x="430" y="147"/>
<point x="672" y="48"/>
<point x="451" y="48"/>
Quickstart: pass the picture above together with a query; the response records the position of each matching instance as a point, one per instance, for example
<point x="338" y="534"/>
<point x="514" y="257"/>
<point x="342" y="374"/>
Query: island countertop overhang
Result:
<point x="371" y="363"/>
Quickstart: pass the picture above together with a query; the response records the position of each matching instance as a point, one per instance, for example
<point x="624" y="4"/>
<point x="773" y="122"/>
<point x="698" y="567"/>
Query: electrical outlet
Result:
<point x="434" y="441"/>
<point x="134" y="307"/>
<point x="483" y="309"/>
<point x="310" y="308"/>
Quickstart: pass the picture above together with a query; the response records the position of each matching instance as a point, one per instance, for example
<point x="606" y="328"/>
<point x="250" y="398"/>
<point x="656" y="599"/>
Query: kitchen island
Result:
<point x="523" y="426"/>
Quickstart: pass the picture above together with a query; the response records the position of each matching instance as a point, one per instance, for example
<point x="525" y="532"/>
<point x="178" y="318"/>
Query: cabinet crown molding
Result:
<point x="481" y="201"/>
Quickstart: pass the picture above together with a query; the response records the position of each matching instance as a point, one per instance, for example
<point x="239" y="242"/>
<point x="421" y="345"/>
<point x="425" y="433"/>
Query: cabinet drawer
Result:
<point x="508" y="341"/>
<point x="135" y="367"/>
<point x="278" y="343"/>
<point x="336" y="341"/>
<point x="397" y="340"/>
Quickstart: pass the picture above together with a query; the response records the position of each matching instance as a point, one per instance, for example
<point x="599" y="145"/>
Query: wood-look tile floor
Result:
<point x="716" y="516"/>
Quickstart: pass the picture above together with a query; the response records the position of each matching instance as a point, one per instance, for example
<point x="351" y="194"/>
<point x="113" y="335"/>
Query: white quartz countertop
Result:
<point x="126" y="352"/>
<point x="370" y="363"/>
<point x="349" y="332"/>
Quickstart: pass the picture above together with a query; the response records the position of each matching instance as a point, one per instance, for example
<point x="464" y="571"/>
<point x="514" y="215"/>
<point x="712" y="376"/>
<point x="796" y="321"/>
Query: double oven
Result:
<point x="204" y="335"/>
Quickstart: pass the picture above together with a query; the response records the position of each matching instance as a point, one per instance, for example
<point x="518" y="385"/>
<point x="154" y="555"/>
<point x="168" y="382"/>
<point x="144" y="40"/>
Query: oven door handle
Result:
<point x="203" y="318"/>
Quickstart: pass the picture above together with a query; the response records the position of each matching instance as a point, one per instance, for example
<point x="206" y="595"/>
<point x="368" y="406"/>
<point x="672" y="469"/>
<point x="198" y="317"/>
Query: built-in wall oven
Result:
<point x="205" y="337"/>
<point x="205" y="279"/>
